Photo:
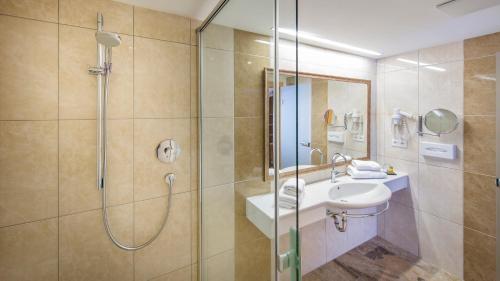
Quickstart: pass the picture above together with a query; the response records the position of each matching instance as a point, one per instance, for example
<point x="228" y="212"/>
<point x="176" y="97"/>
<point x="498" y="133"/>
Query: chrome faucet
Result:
<point x="335" y="173"/>
<point x="320" y="154"/>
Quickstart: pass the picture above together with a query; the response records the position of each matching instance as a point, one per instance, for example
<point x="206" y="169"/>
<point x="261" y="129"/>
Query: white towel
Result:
<point x="288" y="201"/>
<point x="366" y="165"/>
<point x="357" y="174"/>
<point x="291" y="186"/>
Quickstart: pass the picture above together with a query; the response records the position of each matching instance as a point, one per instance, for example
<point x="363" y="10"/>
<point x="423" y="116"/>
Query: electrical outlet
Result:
<point x="400" y="143"/>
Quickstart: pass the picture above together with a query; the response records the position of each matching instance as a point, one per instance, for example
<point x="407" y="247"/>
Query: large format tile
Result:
<point x="480" y="86"/>
<point x="441" y="192"/>
<point x="479" y="256"/>
<point x="249" y="148"/>
<point x="194" y="177"/>
<point x="442" y="53"/>
<point x="149" y="172"/>
<point x="29" y="251"/>
<point x="78" y="97"/>
<point x="313" y="246"/>
<point x="218" y="89"/>
<point x="253" y="260"/>
<point x="195" y="96"/>
<point x="480" y="203"/>
<point x="249" y="85"/>
<point x="183" y="274"/>
<point x="172" y="249"/>
<point x="28" y="169"/>
<point x="85" y="251"/>
<point x="161" y="84"/>
<point x="218" y="37"/>
<point x="194" y="24"/>
<point x="400" y="62"/>
<point x="159" y="25"/>
<point x="77" y="170"/>
<point x="486" y="45"/>
<point x="479" y="144"/>
<point x="401" y="227"/>
<point x="220" y="267"/>
<point x="28" y="51"/>
<point x="45" y="10"/>
<point x="252" y="43"/>
<point x="410" y="195"/>
<point x="118" y="17"/>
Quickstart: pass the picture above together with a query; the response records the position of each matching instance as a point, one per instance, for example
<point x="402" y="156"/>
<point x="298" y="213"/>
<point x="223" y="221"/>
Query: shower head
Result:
<point x="108" y="39"/>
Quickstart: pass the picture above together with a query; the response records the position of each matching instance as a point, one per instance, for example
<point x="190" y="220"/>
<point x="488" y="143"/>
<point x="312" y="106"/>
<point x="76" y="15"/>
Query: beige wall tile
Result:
<point x="442" y="53"/>
<point x="220" y="267"/>
<point x="249" y="85"/>
<point x="194" y="82"/>
<point x="78" y="89"/>
<point x="172" y="249"/>
<point x="218" y="88"/>
<point x="161" y="72"/>
<point x="479" y="144"/>
<point x="85" y="251"/>
<point x="252" y="43"/>
<point x="29" y="251"/>
<point x="479" y="203"/>
<point x="183" y="274"/>
<point x="486" y="45"/>
<point x="149" y="172"/>
<point x="159" y="25"/>
<point x="218" y="166"/>
<point x="28" y="169"/>
<point x="77" y="170"/>
<point x="194" y="154"/>
<point x="28" y="51"/>
<point x="194" y="226"/>
<point x="218" y="37"/>
<point x="249" y="148"/>
<point x="194" y="272"/>
<point x="34" y="9"/>
<point x="253" y="260"/>
<point x="479" y="256"/>
<point x="479" y="86"/>
<point x="218" y="220"/>
<point x="194" y="36"/>
<point x="118" y="17"/>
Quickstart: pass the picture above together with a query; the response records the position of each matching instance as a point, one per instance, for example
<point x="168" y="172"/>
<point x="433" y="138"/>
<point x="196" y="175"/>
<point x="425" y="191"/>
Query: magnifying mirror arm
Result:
<point x="420" y="128"/>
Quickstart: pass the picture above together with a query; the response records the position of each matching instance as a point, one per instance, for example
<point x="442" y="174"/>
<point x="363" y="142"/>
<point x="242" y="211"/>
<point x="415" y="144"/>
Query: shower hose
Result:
<point x="169" y="178"/>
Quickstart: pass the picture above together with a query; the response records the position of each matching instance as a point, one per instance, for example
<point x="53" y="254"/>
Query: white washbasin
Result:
<point x="358" y="195"/>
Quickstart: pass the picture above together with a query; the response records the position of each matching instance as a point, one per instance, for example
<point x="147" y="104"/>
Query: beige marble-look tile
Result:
<point x="401" y="227"/>
<point x="195" y="96"/>
<point x="28" y="51"/>
<point x="218" y="89"/>
<point x="479" y="144"/>
<point x="442" y="53"/>
<point x="194" y="24"/>
<point x="195" y="272"/>
<point x="195" y="178"/>
<point x="218" y="37"/>
<point x="172" y="249"/>
<point x="77" y="169"/>
<point x="441" y="86"/>
<point x="249" y="148"/>
<point x="441" y="192"/>
<point x="479" y="203"/>
<point x="118" y="17"/>
<point x="481" y="46"/>
<point x="78" y="97"/>
<point x="218" y="166"/>
<point x="29" y="251"/>
<point x="45" y="10"/>
<point x="313" y="246"/>
<point x="479" y="256"/>
<point x="160" y="25"/>
<point x="86" y="252"/>
<point x="249" y="85"/>
<point x="161" y="84"/>
<point x="408" y="196"/>
<point x="218" y="220"/>
<point x="28" y="169"/>
<point x="253" y="260"/>
<point x="400" y="62"/>
<point x="220" y="267"/>
<point x="480" y="86"/>
<point x="183" y="274"/>
<point x="195" y="227"/>
<point x="441" y="243"/>
<point x="252" y="43"/>
<point x="149" y="172"/>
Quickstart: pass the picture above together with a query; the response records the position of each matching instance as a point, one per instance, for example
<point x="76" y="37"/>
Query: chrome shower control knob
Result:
<point x="168" y="151"/>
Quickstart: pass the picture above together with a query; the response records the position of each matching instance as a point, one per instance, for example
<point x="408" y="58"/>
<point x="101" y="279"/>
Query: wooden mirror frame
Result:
<point x="267" y="71"/>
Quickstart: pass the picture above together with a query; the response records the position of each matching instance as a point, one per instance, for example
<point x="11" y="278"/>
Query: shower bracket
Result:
<point x="95" y="70"/>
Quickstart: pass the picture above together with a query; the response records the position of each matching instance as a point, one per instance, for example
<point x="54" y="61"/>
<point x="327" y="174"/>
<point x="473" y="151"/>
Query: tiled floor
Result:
<point x="378" y="259"/>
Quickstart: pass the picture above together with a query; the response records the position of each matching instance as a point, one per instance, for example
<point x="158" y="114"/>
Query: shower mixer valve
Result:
<point x="168" y="151"/>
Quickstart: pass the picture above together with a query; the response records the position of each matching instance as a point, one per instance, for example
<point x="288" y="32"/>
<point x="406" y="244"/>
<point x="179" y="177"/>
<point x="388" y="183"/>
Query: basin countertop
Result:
<point x="260" y="208"/>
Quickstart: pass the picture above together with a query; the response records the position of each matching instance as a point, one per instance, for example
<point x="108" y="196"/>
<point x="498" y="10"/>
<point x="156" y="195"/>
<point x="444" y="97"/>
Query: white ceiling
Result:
<point x="386" y="26"/>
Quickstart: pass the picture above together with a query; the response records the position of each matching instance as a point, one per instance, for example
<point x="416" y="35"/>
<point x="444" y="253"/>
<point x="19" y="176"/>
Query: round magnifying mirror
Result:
<point x="441" y="121"/>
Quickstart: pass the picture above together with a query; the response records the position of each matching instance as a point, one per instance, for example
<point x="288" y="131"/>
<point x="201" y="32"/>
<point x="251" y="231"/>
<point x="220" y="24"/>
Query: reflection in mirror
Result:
<point x="333" y="117"/>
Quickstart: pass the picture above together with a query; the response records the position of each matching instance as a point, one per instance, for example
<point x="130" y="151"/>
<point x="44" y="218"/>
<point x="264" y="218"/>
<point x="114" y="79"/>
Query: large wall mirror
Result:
<point x="334" y="116"/>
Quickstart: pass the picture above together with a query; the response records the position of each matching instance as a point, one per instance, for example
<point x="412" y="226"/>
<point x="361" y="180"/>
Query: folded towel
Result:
<point x="289" y="201"/>
<point x="357" y="174"/>
<point x="291" y="186"/>
<point x="366" y="165"/>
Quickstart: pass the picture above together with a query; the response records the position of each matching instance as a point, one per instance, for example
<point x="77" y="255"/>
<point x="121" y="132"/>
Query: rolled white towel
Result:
<point x="289" y="201"/>
<point x="291" y="186"/>
<point x="357" y="174"/>
<point x="366" y="165"/>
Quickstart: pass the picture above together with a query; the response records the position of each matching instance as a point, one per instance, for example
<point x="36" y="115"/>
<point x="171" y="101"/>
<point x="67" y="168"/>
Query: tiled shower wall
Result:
<point x="50" y="218"/>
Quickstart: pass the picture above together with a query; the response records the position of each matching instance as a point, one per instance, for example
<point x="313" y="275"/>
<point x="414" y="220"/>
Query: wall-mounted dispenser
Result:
<point x="399" y="125"/>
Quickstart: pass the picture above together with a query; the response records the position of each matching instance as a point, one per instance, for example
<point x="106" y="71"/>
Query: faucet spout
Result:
<point x="334" y="172"/>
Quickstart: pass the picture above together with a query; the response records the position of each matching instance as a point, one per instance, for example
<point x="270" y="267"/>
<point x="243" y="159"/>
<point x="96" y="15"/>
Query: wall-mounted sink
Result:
<point x="358" y="195"/>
